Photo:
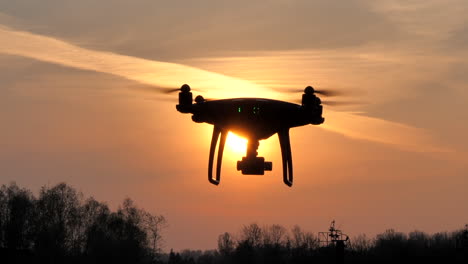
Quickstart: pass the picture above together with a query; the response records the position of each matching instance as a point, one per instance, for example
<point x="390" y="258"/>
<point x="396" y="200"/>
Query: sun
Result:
<point x="236" y="144"/>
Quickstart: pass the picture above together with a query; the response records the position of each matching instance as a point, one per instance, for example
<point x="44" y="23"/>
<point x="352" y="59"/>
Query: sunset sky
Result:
<point x="77" y="106"/>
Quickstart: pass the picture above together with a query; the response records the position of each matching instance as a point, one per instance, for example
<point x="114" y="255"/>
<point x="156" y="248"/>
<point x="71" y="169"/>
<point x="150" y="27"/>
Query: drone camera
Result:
<point x="254" y="165"/>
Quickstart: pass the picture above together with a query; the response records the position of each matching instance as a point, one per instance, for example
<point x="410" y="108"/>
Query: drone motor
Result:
<point x="185" y="99"/>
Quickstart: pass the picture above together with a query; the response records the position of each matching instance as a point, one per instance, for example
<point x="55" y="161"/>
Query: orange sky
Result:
<point x="76" y="109"/>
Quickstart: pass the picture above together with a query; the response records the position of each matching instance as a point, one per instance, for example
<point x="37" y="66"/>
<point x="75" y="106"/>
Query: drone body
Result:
<point x="255" y="119"/>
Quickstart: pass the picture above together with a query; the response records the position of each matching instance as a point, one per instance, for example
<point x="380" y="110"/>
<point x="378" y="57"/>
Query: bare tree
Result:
<point x="4" y="215"/>
<point x="16" y="213"/>
<point x="298" y="237"/>
<point x="252" y="234"/>
<point x="274" y="235"/>
<point x="93" y="214"/>
<point x="391" y="243"/>
<point x="310" y="240"/>
<point x="225" y="244"/>
<point x="154" y="225"/>
<point x="58" y="221"/>
<point x="301" y="239"/>
<point x="361" y="243"/>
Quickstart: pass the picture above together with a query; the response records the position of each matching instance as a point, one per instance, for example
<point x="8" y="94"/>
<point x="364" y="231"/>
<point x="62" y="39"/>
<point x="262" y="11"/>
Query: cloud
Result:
<point x="423" y="21"/>
<point x="182" y="29"/>
<point x="171" y="74"/>
<point x="155" y="73"/>
<point x="169" y="30"/>
<point x="374" y="129"/>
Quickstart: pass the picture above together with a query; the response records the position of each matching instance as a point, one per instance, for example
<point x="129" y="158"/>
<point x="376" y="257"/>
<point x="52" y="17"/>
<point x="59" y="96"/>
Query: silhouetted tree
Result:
<point x="245" y="252"/>
<point x="16" y="213"/>
<point x="191" y="256"/>
<point x="274" y="235"/>
<point x="391" y="244"/>
<point x="252" y="234"/>
<point x="174" y="258"/>
<point x="154" y="225"/>
<point x="297" y="237"/>
<point x="418" y="243"/>
<point x="59" y="227"/>
<point x="57" y="222"/>
<point x="118" y="237"/>
<point x="361" y="244"/>
<point x="302" y="245"/>
<point x="304" y="240"/>
<point x="440" y="243"/>
<point x="209" y="257"/>
<point x="226" y="244"/>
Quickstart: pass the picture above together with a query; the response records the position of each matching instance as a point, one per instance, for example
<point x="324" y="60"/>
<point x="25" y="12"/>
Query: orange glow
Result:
<point x="236" y="145"/>
<point x="97" y="130"/>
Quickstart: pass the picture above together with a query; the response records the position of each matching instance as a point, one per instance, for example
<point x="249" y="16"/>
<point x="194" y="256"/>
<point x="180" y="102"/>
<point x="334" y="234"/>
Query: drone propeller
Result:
<point x="328" y="92"/>
<point x="324" y="92"/>
<point x="175" y="100"/>
<point x="157" y="89"/>
<point x="168" y="90"/>
<point x="342" y="103"/>
<point x="336" y="103"/>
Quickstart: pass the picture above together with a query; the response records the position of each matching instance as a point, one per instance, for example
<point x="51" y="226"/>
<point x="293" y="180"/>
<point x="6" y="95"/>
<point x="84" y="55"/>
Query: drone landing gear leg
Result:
<point x="214" y="142"/>
<point x="286" y="156"/>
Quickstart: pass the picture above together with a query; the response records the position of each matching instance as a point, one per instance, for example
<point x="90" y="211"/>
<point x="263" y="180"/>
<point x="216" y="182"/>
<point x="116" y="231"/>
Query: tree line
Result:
<point x="276" y="244"/>
<point x="61" y="226"/>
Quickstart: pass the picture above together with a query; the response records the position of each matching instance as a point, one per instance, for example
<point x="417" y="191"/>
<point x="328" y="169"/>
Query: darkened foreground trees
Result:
<point x="60" y="226"/>
<point x="275" y="244"/>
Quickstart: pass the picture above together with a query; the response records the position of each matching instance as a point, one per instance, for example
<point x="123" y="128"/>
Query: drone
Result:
<point x="254" y="119"/>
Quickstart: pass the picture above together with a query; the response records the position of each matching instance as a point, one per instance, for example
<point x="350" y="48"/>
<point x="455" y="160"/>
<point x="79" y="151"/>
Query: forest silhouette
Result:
<point x="63" y="226"/>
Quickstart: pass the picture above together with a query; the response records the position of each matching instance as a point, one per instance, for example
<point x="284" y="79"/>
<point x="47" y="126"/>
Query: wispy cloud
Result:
<point x="173" y="75"/>
<point x="162" y="74"/>
<point x="398" y="135"/>
<point x="432" y="19"/>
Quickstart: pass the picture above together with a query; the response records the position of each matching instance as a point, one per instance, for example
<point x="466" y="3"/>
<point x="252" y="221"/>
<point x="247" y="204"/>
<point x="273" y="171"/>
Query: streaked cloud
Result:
<point x="161" y="74"/>
<point x="379" y="130"/>
<point x="432" y="19"/>
<point x="172" y="75"/>
<point x="161" y="29"/>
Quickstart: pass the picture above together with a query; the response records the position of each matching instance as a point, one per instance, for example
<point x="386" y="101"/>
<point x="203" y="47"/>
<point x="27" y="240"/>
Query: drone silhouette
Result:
<point x="255" y="119"/>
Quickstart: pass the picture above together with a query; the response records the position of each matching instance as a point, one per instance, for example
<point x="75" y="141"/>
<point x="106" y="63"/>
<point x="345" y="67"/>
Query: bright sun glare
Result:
<point x="236" y="144"/>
